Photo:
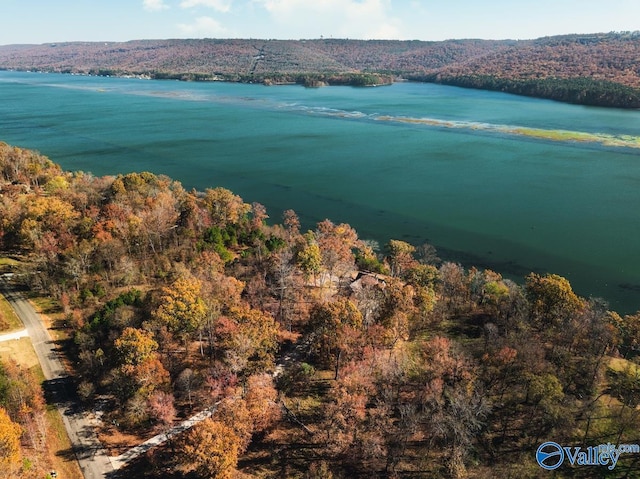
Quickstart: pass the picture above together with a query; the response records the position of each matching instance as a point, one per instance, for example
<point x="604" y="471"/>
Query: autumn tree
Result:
<point x="629" y="330"/>
<point x="118" y="221"/>
<point x="220" y="382"/>
<point x="284" y="283"/>
<point x="454" y="287"/>
<point x="309" y="257"/>
<point x="140" y="380"/>
<point x="552" y="299"/>
<point x="10" y="433"/>
<point x="401" y="257"/>
<point x="292" y="224"/>
<point x="220" y="293"/>
<point x="580" y="343"/>
<point x="367" y="257"/>
<point x="158" y="220"/>
<point x="181" y="307"/>
<point x="544" y="406"/>
<point x="162" y="409"/>
<point x="248" y="339"/>
<point x="258" y="215"/>
<point x="143" y="212"/>
<point x="193" y="218"/>
<point x="261" y="400"/>
<point x="133" y="189"/>
<point x="427" y="254"/>
<point x="397" y="311"/>
<point x="86" y="192"/>
<point x="452" y="400"/>
<point x="337" y="244"/>
<point x="139" y="372"/>
<point x="347" y="412"/>
<point x="25" y="166"/>
<point x="501" y="370"/>
<point x="78" y="261"/>
<point x="356" y="422"/>
<point x="210" y="449"/>
<point x="336" y="326"/>
<point x="368" y="296"/>
<point x="233" y="413"/>
<point x="22" y="398"/>
<point x="134" y="346"/>
<point x="47" y="228"/>
<point x="224" y="207"/>
<point x="186" y="382"/>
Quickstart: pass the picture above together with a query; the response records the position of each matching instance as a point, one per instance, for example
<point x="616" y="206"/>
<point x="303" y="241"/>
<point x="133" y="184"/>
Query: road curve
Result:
<point x="58" y="386"/>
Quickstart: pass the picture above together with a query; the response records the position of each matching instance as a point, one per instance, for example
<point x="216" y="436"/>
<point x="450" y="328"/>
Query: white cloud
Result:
<point x="154" y="5"/>
<point x="340" y="18"/>
<point x="222" y="6"/>
<point x="203" y="26"/>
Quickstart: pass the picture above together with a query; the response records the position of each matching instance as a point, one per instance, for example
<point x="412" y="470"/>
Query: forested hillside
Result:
<point x="325" y="356"/>
<point x="599" y="69"/>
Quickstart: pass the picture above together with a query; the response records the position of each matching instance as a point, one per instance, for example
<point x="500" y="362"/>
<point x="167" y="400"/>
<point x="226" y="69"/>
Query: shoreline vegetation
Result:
<point x="319" y="354"/>
<point x="596" y="69"/>
<point x="309" y="80"/>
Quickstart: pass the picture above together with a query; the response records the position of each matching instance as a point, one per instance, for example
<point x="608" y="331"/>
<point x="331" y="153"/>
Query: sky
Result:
<point x="49" y="21"/>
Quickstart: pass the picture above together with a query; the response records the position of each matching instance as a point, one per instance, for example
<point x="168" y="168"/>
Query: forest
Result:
<point x="597" y="69"/>
<point x="322" y="355"/>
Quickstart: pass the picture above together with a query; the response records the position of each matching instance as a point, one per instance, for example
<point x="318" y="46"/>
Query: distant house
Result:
<point x="364" y="279"/>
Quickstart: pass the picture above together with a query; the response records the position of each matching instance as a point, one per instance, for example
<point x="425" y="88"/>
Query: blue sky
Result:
<point x="44" y="21"/>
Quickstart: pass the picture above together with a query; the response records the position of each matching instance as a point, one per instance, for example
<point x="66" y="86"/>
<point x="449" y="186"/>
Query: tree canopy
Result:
<point x="315" y="350"/>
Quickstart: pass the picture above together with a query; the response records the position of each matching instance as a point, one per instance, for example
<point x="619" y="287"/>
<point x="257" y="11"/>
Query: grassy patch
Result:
<point x="63" y="459"/>
<point x="21" y="351"/>
<point x="8" y="264"/>
<point x="52" y="316"/>
<point x="619" y="365"/>
<point x="9" y="320"/>
<point x="324" y="375"/>
<point x="46" y="305"/>
<point x="306" y="409"/>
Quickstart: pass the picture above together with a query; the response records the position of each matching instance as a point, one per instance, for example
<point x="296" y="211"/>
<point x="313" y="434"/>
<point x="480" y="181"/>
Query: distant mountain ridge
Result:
<point x="597" y="69"/>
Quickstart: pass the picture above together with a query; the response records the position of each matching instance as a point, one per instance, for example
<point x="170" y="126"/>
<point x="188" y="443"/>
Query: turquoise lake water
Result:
<point x="465" y="170"/>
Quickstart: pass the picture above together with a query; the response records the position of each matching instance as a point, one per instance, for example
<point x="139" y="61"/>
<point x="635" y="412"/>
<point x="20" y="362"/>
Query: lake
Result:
<point x="510" y="183"/>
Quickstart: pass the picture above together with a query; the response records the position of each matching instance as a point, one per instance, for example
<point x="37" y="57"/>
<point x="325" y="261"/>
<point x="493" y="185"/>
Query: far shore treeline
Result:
<point x="324" y="355"/>
<point x="597" y="69"/>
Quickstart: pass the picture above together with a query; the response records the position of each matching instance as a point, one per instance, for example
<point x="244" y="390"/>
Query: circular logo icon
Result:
<point x="550" y="456"/>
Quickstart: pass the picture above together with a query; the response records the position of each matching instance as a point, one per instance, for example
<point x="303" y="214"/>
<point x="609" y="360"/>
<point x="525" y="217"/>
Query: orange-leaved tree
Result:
<point x="181" y="308"/>
<point x="9" y="441"/>
<point x="337" y="325"/>
<point x="210" y="449"/>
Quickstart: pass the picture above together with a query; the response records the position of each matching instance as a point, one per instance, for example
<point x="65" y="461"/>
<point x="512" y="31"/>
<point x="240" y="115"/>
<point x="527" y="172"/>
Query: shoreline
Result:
<point x="321" y="80"/>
